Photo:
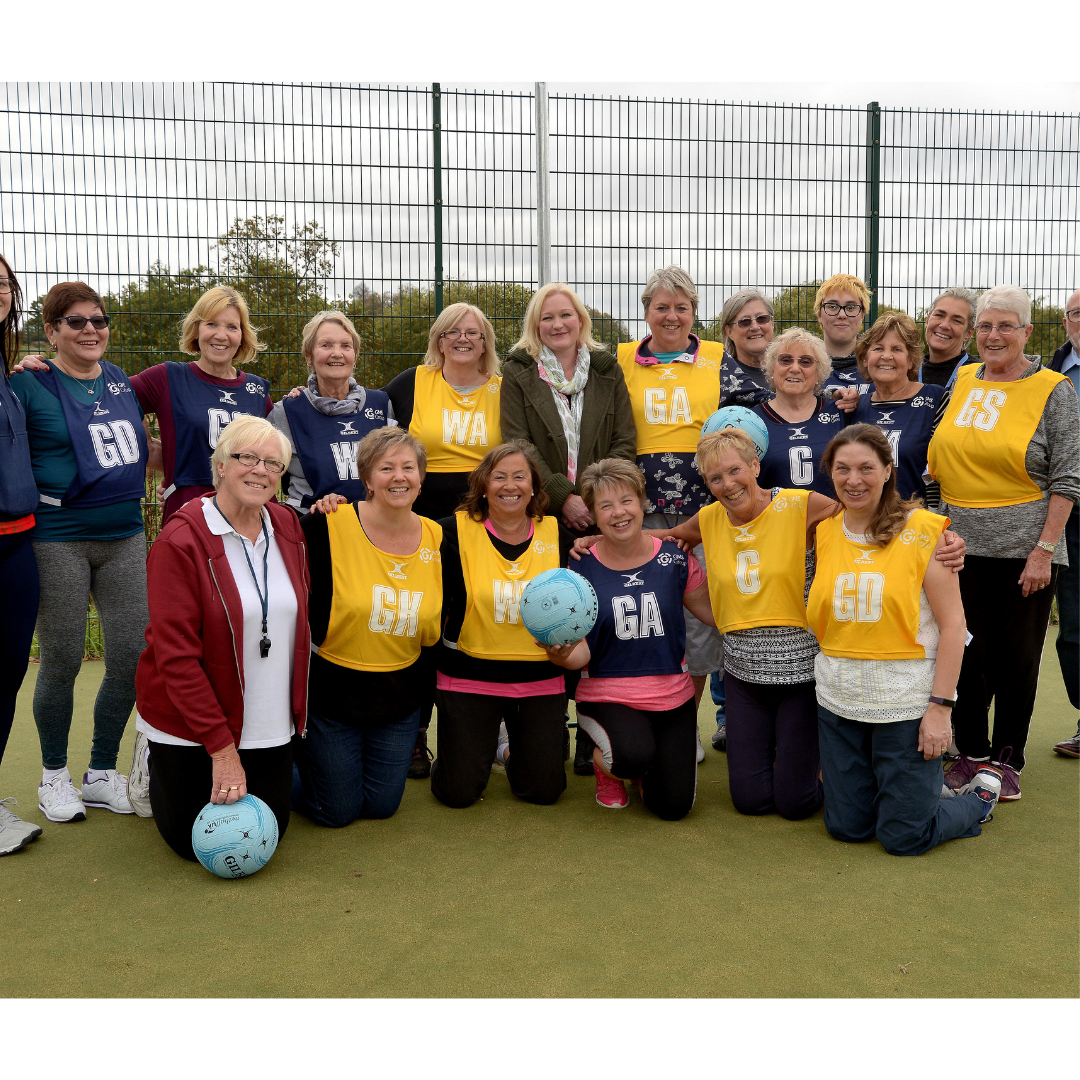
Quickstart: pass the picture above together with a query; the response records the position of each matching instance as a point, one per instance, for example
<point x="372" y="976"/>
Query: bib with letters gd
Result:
<point x="864" y="602"/>
<point x="757" y="571"/>
<point x="977" y="453"/>
<point x="492" y="628"/>
<point x="457" y="429"/>
<point x="385" y="606"/>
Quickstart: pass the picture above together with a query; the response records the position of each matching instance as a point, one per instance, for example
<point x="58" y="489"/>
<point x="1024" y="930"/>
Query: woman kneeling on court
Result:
<point x="376" y="598"/>
<point x="222" y="684"/>
<point x="636" y="698"/>
<point x="890" y="622"/>
<point x="489" y="667"/>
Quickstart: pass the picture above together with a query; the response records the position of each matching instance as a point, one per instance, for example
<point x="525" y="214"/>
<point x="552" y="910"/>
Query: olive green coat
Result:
<point x="529" y="412"/>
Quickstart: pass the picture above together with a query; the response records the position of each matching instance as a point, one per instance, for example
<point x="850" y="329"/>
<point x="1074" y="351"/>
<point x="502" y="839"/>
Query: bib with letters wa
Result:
<point x="864" y="602"/>
<point x="672" y="401"/>
<point x="757" y="571"/>
<point x="457" y="429"/>
<point x="977" y="453"/>
<point x="492" y="628"/>
<point x="385" y="606"/>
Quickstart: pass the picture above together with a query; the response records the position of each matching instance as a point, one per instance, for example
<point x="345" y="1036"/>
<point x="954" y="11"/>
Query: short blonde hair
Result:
<point x="211" y="304"/>
<point x="905" y="329"/>
<point x="375" y="445"/>
<point x="246" y="431"/>
<point x="839" y="283"/>
<point x="311" y="332"/>
<point x="672" y="279"/>
<point x="1008" y="298"/>
<point x="799" y="338"/>
<point x="530" y="327"/>
<point x="611" y="473"/>
<point x="713" y="446"/>
<point x="447" y="320"/>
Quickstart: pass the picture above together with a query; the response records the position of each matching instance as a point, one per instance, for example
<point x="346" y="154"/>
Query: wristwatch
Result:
<point x="1045" y="546"/>
<point x="949" y="703"/>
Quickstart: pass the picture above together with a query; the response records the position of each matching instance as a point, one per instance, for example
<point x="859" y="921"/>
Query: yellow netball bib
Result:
<point x="757" y="572"/>
<point x="385" y="606"/>
<point x="492" y="628"/>
<point x="864" y="602"/>
<point x="977" y="453"/>
<point x="457" y="429"/>
<point x="672" y="401"/>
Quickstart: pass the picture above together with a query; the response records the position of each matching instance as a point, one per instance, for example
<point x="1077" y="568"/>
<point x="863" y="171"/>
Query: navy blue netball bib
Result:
<point x="107" y="439"/>
<point x="909" y="426"/>
<point x="326" y="445"/>
<point x="794" y="454"/>
<point x="201" y="411"/>
<point x="640" y="629"/>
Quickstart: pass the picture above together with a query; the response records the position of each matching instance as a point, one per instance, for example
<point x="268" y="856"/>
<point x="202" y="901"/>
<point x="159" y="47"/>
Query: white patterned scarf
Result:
<point x="569" y="398"/>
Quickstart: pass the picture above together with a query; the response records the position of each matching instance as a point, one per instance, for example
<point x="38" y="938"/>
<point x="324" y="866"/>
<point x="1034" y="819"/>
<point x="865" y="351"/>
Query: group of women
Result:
<point x="294" y="649"/>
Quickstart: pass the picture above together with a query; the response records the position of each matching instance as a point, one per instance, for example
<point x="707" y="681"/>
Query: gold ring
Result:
<point x="223" y="791"/>
<point x="237" y="788"/>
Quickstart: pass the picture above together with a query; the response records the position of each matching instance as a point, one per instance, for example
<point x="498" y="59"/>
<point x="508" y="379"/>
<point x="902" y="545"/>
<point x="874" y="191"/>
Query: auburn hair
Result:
<point x="475" y="500"/>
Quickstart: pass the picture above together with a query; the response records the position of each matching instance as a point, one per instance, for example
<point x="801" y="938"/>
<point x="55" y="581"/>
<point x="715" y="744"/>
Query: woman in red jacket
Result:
<point x="222" y="686"/>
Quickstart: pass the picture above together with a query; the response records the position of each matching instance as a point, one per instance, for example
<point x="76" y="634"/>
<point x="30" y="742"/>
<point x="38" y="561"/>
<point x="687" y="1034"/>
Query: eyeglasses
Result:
<point x="6" y="285"/>
<point x="249" y="461"/>
<point x="472" y="335"/>
<point x="1005" y="329"/>
<point x="831" y="307"/>
<point x="77" y="322"/>
<point x="1072" y="316"/>
<point x="757" y="320"/>
<point x="800" y="361"/>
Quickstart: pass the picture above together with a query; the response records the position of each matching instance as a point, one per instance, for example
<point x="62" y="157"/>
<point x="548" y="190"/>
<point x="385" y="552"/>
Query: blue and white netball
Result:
<point x="235" y="840"/>
<point x="558" y="607"/>
<point x="738" y="416"/>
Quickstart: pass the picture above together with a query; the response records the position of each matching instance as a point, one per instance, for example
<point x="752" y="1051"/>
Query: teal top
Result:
<point x="667" y="357"/>
<point x="53" y="462"/>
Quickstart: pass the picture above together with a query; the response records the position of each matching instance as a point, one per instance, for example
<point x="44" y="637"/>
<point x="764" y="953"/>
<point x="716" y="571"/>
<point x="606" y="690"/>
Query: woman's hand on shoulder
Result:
<point x="30" y="362"/>
<point x="295" y="392"/>
<point x="328" y="504"/>
<point x="582" y="545"/>
<point x="846" y="399"/>
<point x="951" y="550"/>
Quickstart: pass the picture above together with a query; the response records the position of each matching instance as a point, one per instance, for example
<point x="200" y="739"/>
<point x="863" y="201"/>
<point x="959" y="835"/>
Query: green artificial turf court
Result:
<point x="511" y="900"/>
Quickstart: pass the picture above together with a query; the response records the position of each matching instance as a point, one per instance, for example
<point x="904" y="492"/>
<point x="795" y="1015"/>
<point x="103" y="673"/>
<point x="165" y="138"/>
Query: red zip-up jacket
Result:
<point x="190" y="678"/>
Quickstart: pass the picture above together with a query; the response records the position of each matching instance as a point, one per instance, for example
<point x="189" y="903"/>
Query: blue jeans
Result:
<point x="716" y="691"/>
<point x="346" y="771"/>
<point x="878" y="784"/>
<point x="1068" y="598"/>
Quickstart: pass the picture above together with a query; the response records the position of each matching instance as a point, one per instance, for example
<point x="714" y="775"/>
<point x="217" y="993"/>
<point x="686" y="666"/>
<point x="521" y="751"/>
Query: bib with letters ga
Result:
<point x="492" y="628"/>
<point x="977" y="453"/>
<point x="457" y="429"/>
<point x="864" y="602"/>
<point x="757" y="571"/>
<point x="385" y="606"/>
<point x="672" y="401"/>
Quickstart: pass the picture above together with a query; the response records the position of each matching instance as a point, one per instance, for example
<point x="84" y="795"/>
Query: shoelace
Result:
<point x="6" y="811"/>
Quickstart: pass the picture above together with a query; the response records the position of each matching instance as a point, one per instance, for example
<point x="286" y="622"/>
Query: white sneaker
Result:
<point x="503" y="746"/>
<point x="14" y="832"/>
<point x="59" y="801"/>
<point x="138" y="783"/>
<point x="107" y="794"/>
<point x="700" y="749"/>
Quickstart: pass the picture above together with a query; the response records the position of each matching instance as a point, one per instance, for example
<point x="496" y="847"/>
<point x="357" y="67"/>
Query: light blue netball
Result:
<point x="237" y="840"/>
<point x="738" y="416"/>
<point x="558" y="607"/>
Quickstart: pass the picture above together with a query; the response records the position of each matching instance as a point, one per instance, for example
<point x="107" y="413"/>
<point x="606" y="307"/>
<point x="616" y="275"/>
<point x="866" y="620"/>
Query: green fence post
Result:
<point x="873" y="220"/>
<point x="436" y="139"/>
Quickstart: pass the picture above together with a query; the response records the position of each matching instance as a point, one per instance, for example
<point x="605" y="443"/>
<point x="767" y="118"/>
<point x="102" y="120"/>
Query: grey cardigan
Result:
<point x="529" y="412"/>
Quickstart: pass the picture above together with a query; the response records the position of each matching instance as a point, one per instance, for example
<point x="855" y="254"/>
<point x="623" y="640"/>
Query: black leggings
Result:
<point x="469" y="733"/>
<point x="659" y="748"/>
<point x="181" y="778"/>
<point x="18" y="613"/>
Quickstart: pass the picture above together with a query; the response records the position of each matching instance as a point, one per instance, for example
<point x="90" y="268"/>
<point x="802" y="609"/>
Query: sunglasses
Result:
<point x="77" y="322"/>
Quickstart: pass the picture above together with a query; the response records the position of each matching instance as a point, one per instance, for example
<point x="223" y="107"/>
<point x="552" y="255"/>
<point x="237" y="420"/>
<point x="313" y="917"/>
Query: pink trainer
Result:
<point x="609" y="791"/>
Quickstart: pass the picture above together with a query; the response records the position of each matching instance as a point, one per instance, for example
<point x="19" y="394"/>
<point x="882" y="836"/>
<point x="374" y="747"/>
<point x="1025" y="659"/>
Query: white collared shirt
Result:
<point x="267" y="682"/>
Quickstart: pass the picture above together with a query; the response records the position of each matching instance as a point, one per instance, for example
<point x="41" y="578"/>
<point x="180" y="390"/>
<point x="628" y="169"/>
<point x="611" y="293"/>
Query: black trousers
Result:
<point x="1001" y="665"/>
<point x="181" y="779"/>
<point x="657" y="748"/>
<point x="469" y="733"/>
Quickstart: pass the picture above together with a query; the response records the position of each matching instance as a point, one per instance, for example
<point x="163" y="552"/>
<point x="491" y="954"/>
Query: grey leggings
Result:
<point x="113" y="572"/>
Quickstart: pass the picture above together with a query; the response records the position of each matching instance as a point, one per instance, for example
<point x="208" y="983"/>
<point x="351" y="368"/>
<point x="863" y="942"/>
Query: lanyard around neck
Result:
<point x="264" y="592"/>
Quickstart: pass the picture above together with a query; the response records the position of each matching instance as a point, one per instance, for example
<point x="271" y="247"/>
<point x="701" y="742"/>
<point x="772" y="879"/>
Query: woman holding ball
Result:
<point x="636" y="698"/>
